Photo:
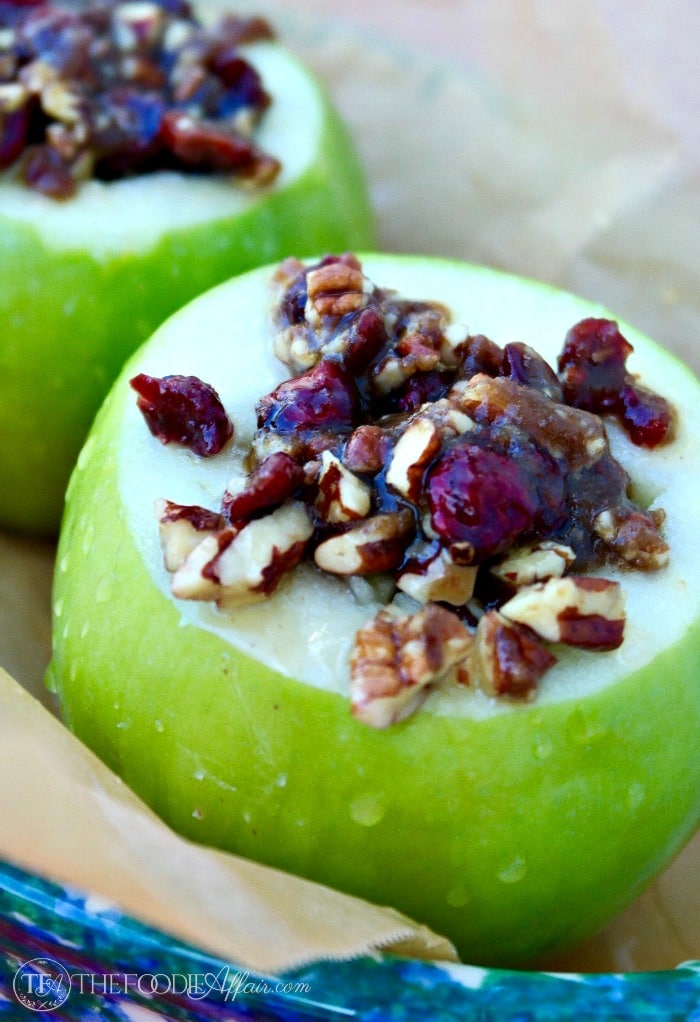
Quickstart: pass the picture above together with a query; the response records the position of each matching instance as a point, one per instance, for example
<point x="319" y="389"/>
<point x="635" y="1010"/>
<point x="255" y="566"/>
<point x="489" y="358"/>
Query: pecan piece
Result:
<point x="367" y="449"/>
<point x="634" y="537"/>
<point x="525" y="565"/>
<point x="415" y="449"/>
<point x="437" y="577"/>
<point x="181" y="528"/>
<point x="396" y="657"/>
<point x="373" y="545"/>
<point x="244" y="563"/>
<point x="507" y="659"/>
<point x="335" y="288"/>
<point x="577" y="610"/>
<point x="342" y="497"/>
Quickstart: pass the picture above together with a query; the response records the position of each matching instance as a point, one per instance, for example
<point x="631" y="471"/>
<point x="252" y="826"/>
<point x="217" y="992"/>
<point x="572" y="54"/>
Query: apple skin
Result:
<point x="69" y="320"/>
<point x="515" y="835"/>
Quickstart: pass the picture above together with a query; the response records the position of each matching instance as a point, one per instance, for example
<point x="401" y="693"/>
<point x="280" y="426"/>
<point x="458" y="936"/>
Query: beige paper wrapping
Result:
<point x="66" y="816"/>
<point x="556" y="140"/>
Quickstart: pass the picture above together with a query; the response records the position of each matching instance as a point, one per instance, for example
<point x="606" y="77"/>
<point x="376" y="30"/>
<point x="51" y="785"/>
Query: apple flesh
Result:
<point x="513" y="828"/>
<point x="86" y="280"/>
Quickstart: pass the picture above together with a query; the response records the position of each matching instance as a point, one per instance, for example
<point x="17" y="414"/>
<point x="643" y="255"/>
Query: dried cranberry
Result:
<point x="208" y="145"/>
<point x="524" y="365"/>
<point x="478" y="354"/>
<point x="480" y="501"/>
<point x="592" y="366"/>
<point x="183" y="410"/>
<point x="57" y="36"/>
<point x="646" y="416"/>
<point x="13" y="135"/>
<point x="243" y="84"/>
<point x="420" y="388"/>
<point x="292" y="305"/>
<point x="273" y="481"/>
<point x="124" y="127"/>
<point x="324" y="398"/>
<point x="366" y="336"/>
<point x="45" y="170"/>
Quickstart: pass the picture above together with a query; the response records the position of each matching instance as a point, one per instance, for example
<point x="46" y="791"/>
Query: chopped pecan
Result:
<point x="578" y="610"/>
<point x="396" y="657"/>
<point x="416" y="447"/>
<point x="244" y="563"/>
<point x="634" y="537"/>
<point x="438" y="578"/>
<point x="524" y="565"/>
<point x="342" y="497"/>
<point x="507" y="659"/>
<point x="181" y="528"/>
<point x="373" y="545"/>
<point x="367" y="449"/>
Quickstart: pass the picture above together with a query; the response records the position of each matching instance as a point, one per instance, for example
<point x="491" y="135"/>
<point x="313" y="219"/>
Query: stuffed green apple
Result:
<point x="402" y="604"/>
<point x="143" y="158"/>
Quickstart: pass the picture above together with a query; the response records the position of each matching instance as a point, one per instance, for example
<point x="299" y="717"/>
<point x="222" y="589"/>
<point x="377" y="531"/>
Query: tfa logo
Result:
<point x="41" y="984"/>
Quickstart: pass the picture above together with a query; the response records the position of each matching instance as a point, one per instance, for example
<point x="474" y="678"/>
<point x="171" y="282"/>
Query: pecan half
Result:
<point x="335" y="288"/>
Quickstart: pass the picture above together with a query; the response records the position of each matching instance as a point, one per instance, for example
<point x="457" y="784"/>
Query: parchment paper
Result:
<point x="557" y="140"/>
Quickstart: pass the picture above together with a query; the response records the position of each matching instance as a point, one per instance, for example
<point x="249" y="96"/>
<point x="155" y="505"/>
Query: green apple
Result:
<point x="85" y="280"/>
<point x="513" y="828"/>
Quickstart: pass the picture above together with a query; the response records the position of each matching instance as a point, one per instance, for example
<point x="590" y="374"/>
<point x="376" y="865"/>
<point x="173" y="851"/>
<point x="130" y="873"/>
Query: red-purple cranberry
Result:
<point x="480" y="500"/>
<point x="323" y="398"/>
<point x="13" y="135"/>
<point x="645" y="416"/>
<point x="524" y="365"/>
<point x="272" y="482"/>
<point x="592" y="365"/>
<point x="183" y="410"/>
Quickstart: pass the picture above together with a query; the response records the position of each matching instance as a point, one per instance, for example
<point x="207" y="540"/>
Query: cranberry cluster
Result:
<point x="114" y="88"/>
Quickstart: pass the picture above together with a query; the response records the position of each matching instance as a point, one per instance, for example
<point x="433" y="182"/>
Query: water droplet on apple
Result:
<point x="514" y="871"/>
<point x="85" y="452"/>
<point x="73" y="672"/>
<point x="104" y="589"/>
<point x="64" y="562"/>
<point x="88" y="537"/>
<point x="281" y="780"/>
<point x="85" y="629"/>
<point x="199" y="774"/>
<point x="636" y="794"/>
<point x="66" y="630"/>
<point x="368" y="809"/>
<point x="583" y="730"/>
<point x="58" y="607"/>
<point x="247" y="817"/>
<point x="543" y="747"/>
<point x="458" y="897"/>
<point x="198" y="814"/>
<point x="159" y="726"/>
<point x="124" y="725"/>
